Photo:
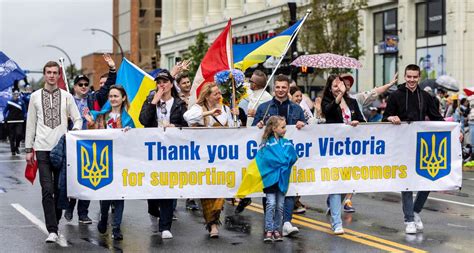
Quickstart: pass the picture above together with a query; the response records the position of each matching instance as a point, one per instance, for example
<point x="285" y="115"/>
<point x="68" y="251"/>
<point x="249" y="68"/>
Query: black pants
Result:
<point x="15" y="135"/>
<point x="82" y="207"/>
<point x="49" y="177"/>
<point x="162" y="208"/>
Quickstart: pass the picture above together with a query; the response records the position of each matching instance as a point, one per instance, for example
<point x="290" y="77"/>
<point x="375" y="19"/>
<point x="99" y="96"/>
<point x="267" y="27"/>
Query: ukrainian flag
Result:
<point x="271" y="166"/>
<point x="138" y="84"/>
<point x="246" y="55"/>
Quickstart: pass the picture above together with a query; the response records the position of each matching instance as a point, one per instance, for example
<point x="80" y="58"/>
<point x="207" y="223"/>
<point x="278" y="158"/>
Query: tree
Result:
<point x="196" y="53"/>
<point x="333" y="27"/>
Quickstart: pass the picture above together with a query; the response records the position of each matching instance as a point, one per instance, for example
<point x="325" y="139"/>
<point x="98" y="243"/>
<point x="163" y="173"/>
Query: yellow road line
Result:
<point x="326" y="227"/>
<point x="329" y="231"/>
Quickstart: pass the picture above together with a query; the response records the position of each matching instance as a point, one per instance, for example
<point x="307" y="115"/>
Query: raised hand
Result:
<point x="109" y="61"/>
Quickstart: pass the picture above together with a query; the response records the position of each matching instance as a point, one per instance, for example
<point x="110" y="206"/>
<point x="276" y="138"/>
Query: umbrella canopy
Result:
<point x="326" y="60"/>
<point x="448" y="83"/>
<point x="444" y="83"/>
<point x="429" y="83"/>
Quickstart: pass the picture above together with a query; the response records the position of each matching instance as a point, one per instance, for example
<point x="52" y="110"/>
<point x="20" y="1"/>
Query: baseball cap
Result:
<point x="80" y="77"/>
<point x="164" y="74"/>
<point x="348" y="77"/>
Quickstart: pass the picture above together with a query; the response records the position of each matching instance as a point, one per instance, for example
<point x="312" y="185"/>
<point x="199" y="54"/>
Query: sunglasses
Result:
<point x="83" y="84"/>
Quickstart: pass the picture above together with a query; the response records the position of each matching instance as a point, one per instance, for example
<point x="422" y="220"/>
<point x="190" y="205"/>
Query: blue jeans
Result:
<point x="288" y="207"/>
<point x="409" y="207"/>
<point x="118" y="212"/>
<point x="335" y="207"/>
<point x="274" y="211"/>
<point x="471" y="131"/>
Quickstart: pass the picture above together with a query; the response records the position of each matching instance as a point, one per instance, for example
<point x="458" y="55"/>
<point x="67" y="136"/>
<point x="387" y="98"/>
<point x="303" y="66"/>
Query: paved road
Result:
<point x="376" y="226"/>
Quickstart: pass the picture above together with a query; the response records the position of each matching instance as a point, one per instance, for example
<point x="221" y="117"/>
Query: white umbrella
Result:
<point x="448" y="83"/>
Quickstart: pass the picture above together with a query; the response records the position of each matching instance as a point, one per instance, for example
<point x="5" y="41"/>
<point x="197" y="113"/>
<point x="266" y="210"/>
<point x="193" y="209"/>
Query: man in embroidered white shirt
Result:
<point x="48" y="113"/>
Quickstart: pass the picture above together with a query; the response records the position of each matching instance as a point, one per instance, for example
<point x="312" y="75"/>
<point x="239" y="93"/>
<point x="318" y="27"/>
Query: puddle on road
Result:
<point x="237" y="223"/>
<point x="103" y="244"/>
<point x="14" y="179"/>
<point x="383" y="228"/>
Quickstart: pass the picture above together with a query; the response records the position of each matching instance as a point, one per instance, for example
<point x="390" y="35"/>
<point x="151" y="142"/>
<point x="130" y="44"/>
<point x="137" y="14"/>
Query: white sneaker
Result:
<point x="154" y="224"/>
<point x="52" y="237"/>
<point x="289" y="229"/>
<point x="62" y="241"/>
<point x="339" y="231"/>
<point x="410" y="228"/>
<point x="418" y="222"/>
<point x="166" y="235"/>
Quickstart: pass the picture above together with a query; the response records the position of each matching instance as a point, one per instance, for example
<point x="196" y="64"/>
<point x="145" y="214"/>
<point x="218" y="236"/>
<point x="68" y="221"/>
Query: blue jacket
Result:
<point x="58" y="161"/>
<point x="275" y="160"/>
<point x="270" y="108"/>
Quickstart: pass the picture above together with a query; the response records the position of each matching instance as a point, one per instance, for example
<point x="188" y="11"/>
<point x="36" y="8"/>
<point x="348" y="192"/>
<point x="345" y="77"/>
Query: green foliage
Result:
<point x="196" y="53"/>
<point x="333" y="27"/>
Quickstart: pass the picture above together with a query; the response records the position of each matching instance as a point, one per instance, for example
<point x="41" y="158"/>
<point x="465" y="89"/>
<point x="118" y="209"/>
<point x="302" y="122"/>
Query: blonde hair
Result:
<point x="272" y="122"/>
<point x="206" y="91"/>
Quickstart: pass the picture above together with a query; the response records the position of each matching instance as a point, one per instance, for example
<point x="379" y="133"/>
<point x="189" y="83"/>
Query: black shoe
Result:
<point x="68" y="215"/>
<point x="13" y="153"/>
<point x="85" y="220"/>
<point x="102" y="225"/>
<point x="18" y="151"/>
<point x="242" y="205"/>
<point x="117" y="234"/>
<point x="191" y="205"/>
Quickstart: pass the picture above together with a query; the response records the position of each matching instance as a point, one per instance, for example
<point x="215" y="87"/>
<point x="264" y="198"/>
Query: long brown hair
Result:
<point x="206" y="91"/>
<point x="272" y="122"/>
<point x="124" y="94"/>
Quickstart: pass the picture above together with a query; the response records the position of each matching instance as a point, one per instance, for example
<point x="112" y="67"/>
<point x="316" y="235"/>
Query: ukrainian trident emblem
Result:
<point x="433" y="155"/>
<point x="94" y="166"/>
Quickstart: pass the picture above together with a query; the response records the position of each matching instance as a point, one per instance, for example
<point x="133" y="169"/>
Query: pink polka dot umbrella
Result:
<point x="326" y="60"/>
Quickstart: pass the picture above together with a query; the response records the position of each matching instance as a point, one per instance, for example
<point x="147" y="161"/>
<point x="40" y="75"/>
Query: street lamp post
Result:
<point x="113" y="37"/>
<point x="69" y="58"/>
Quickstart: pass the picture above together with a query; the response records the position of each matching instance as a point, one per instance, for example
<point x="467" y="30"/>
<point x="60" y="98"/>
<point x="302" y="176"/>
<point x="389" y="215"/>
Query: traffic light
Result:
<point x="304" y="69"/>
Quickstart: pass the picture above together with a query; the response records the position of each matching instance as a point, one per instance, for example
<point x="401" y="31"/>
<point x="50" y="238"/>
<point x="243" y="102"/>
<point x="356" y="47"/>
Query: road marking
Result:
<point x="30" y="217"/>
<point x="61" y="242"/>
<point x="452" y="202"/>
<point x="352" y="235"/>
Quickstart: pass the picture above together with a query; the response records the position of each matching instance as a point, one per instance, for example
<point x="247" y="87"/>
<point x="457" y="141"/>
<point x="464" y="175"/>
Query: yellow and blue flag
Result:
<point x="271" y="166"/>
<point x="138" y="84"/>
<point x="246" y="55"/>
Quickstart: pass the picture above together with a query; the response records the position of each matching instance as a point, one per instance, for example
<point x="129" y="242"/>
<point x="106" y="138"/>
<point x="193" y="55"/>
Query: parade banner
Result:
<point x="154" y="163"/>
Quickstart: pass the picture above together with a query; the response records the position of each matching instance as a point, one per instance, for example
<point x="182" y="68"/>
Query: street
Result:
<point x="376" y="226"/>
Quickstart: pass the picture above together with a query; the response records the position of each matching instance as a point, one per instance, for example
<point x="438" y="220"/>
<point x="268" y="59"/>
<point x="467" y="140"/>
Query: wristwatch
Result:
<point x="28" y="150"/>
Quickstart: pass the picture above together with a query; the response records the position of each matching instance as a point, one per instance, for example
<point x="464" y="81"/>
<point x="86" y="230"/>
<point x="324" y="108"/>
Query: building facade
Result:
<point x="93" y="66"/>
<point x="137" y="26"/>
<point x="252" y="20"/>
<point x="434" y="34"/>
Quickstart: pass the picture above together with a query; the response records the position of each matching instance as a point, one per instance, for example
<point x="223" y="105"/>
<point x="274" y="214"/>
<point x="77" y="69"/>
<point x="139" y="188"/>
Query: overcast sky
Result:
<point x="26" y="25"/>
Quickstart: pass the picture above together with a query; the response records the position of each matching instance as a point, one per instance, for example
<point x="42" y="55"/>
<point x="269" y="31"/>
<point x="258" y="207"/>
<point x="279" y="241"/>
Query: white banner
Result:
<point x="209" y="163"/>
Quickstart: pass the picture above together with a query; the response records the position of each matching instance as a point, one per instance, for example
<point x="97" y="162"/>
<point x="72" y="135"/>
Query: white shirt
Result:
<point x="194" y="116"/>
<point x="254" y="103"/>
<point x="47" y="120"/>
<point x="163" y="111"/>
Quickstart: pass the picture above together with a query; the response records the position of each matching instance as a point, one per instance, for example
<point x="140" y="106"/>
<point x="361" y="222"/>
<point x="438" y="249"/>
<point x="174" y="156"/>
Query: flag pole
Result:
<point x="61" y="62"/>
<point x="231" y="65"/>
<point x="282" y="55"/>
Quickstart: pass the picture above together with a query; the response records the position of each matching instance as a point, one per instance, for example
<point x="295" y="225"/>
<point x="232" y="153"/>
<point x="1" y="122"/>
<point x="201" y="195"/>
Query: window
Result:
<point x="385" y="24"/>
<point x="431" y="18"/>
<point x="158" y="8"/>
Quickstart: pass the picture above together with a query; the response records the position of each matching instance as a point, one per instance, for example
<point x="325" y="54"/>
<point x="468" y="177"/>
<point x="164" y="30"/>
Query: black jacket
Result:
<point x="411" y="106"/>
<point x="333" y="113"/>
<point x="148" y="116"/>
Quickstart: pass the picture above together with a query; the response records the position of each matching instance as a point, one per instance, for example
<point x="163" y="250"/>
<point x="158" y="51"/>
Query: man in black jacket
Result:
<point x="409" y="103"/>
<point x="14" y="115"/>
